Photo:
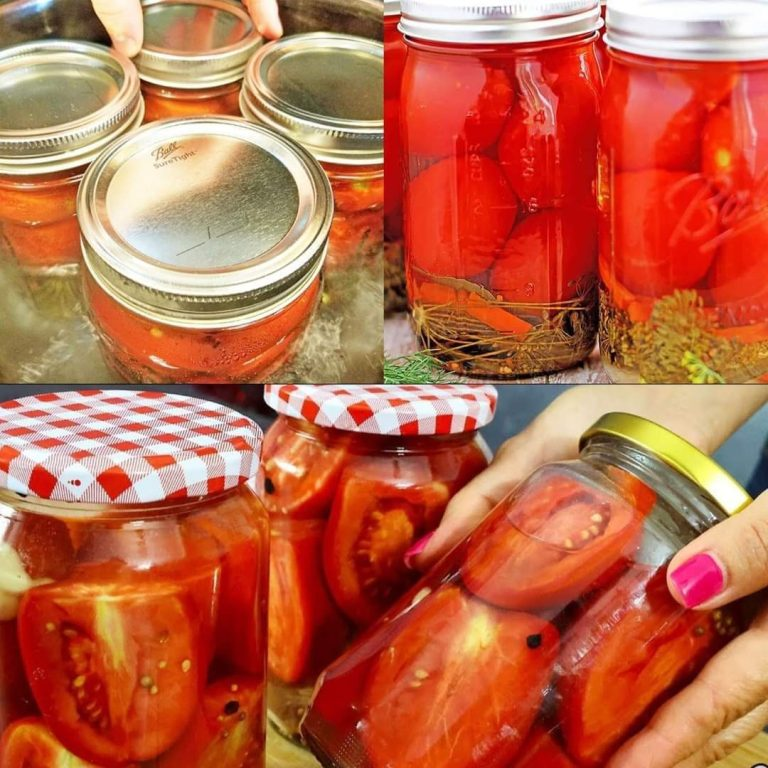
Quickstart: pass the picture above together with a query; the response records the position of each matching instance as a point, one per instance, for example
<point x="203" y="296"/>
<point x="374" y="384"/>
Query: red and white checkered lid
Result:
<point x="440" y="409"/>
<point x="123" y="447"/>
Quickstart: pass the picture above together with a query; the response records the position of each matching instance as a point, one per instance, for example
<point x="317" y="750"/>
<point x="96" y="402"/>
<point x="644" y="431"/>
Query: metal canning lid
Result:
<point x="499" y="21"/>
<point x="323" y="90"/>
<point x="676" y="452"/>
<point x="205" y="223"/>
<point x="196" y="43"/>
<point x="690" y="30"/>
<point x="61" y="102"/>
<point x="391" y="7"/>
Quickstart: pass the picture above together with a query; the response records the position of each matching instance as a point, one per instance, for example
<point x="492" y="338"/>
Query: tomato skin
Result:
<point x="555" y="541"/>
<point x="29" y="744"/>
<point x="43" y="545"/>
<point x="15" y="697"/>
<point x="542" y="751"/>
<point x="420" y="710"/>
<point x="462" y="212"/>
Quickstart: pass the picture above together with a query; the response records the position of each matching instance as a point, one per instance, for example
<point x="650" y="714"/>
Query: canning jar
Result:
<point x="353" y="476"/>
<point x="204" y="240"/>
<point x="684" y="192"/>
<point x="194" y="57"/>
<point x="134" y="557"/>
<point x="558" y="601"/>
<point x="499" y="128"/>
<point x="61" y="103"/>
<point x="324" y="91"/>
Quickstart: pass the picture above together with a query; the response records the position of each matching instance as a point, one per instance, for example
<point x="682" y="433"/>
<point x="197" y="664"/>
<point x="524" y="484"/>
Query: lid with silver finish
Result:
<point x="391" y="7"/>
<point x="196" y="43"/>
<point x="324" y="91"/>
<point x="690" y="30"/>
<point x="61" y="102"/>
<point x="206" y="222"/>
<point x="499" y="21"/>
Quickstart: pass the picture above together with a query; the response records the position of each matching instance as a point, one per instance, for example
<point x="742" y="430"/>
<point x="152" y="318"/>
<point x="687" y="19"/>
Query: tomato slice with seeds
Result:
<point x="300" y="471"/>
<point x="382" y="507"/>
<point x="631" y="647"/>
<point x="557" y="539"/>
<point x="420" y="707"/>
<point x="541" y="750"/>
<point x="30" y="744"/>
<point x="114" y="660"/>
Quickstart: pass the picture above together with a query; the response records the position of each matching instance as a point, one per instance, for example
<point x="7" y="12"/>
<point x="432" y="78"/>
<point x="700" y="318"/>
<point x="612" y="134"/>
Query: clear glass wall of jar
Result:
<point x="559" y="599"/>
<point x="323" y="90"/>
<point x="194" y="57"/>
<point x="499" y="127"/>
<point x="204" y="242"/>
<point x="684" y="193"/>
<point x="132" y="596"/>
<point x="346" y="503"/>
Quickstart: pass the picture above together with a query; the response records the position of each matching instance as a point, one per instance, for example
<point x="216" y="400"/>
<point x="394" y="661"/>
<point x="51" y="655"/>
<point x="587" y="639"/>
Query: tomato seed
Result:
<point x="79" y="681"/>
<point x="186" y="665"/>
<point x="146" y="681"/>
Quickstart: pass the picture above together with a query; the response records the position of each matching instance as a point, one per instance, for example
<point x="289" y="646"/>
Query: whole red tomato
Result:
<point x="459" y="215"/>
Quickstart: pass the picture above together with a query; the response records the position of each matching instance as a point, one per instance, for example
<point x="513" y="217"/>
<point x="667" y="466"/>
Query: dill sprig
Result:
<point x="419" y="368"/>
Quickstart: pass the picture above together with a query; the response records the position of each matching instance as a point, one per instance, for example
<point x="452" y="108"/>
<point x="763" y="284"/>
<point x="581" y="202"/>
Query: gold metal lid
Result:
<point x="677" y="453"/>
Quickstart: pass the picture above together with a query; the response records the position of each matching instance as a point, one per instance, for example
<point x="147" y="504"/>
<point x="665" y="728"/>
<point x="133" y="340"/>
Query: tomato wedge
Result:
<point x="228" y="731"/>
<point x="115" y="660"/>
<point x="306" y="630"/>
<point x="630" y="647"/>
<point x="541" y="750"/>
<point x="382" y="507"/>
<point x="556" y="541"/>
<point x="459" y="686"/>
<point x="300" y="472"/>
<point x="29" y="744"/>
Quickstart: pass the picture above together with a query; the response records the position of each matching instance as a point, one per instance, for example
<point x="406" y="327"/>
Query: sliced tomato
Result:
<point x="306" y="630"/>
<point x="633" y="490"/>
<point x="114" y="660"/>
<point x="15" y="697"/>
<point x="462" y="211"/>
<point x="300" y="470"/>
<point x="421" y="709"/>
<point x="542" y="750"/>
<point x="29" y="744"/>
<point x="552" y="542"/>
<point x="631" y="648"/>
<point x="382" y="507"/>
<point x="228" y="730"/>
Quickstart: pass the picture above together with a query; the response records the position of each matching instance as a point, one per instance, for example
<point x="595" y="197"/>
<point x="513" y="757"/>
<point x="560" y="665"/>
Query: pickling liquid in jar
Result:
<point x="323" y="90"/>
<point x="684" y="194"/>
<point x="132" y="598"/>
<point x="61" y="103"/>
<point x="194" y="57"/>
<point x="204" y="242"/>
<point x="558" y="599"/>
<point x="500" y="146"/>
<point x="352" y="478"/>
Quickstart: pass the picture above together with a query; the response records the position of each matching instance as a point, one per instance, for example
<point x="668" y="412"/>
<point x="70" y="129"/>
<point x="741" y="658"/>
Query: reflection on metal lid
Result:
<point x="323" y="90"/>
<point x="61" y="102"/>
<point x="196" y="43"/>
<point x="204" y="222"/>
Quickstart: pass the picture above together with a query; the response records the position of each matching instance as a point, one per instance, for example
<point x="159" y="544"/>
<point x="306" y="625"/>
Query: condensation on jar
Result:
<point x="204" y="241"/>
<point x="684" y="192"/>
<point x="61" y="103"/>
<point x="194" y="57"/>
<point x="134" y="563"/>
<point x="323" y="90"/>
<point x="499" y="130"/>
<point x="559" y="593"/>
<point x="353" y="477"/>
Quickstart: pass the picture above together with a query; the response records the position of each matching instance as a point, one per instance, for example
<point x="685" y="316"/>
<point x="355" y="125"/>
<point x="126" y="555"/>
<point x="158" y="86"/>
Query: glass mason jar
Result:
<point x="204" y="241"/>
<point x="499" y="128"/>
<point x="353" y="476"/>
<point x="194" y="57"/>
<point x="559" y="599"/>
<point x="61" y="103"/>
<point x="684" y="192"/>
<point x="323" y="90"/>
<point x="133" y="583"/>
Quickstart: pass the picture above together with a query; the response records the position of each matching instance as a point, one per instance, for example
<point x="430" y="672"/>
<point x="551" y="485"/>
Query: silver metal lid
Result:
<point x="61" y="102"/>
<point x="391" y="7"/>
<point x="499" y="21"/>
<point x="690" y="30"/>
<point x="324" y="90"/>
<point x="196" y="43"/>
<point x="205" y="223"/>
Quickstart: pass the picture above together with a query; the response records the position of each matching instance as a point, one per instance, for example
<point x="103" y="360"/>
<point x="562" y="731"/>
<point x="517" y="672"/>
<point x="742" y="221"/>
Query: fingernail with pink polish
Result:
<point x="699" y="580"/>
<point x="417" y="549"/>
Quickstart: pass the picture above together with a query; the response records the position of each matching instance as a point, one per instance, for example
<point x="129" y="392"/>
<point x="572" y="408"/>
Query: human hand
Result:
<point x="124" y="23"/>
